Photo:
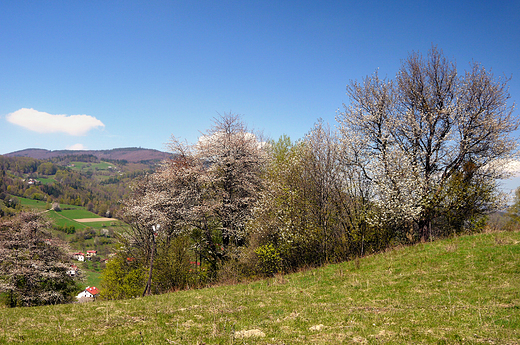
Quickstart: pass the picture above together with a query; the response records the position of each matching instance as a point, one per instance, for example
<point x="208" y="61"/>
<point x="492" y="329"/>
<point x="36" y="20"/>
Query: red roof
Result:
<point x="91" y="251"/>
<point x="93" y="290"/>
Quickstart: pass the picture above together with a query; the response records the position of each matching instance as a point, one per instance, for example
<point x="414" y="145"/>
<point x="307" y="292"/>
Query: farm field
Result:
<point x="464" y="290"/>
<point x="82" y="220"/>
<point x="46" y="180"/>
<point x="38" y="205"/>
<point x="68" y="218"/>
<point x="71" y="215"/>
<point x="84" y="166"/>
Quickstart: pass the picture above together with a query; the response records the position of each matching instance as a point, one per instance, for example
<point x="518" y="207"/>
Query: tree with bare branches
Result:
<point x="414" y="135"/>
<point x="207" y="190"/>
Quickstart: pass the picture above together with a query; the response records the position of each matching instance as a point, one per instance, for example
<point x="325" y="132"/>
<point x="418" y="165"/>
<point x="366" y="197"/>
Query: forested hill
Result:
<point x="96" y="180"/>
<point x="130" y="154"/>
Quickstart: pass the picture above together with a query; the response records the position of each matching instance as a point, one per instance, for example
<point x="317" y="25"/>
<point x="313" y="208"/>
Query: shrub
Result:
<point x="269" y="260"/>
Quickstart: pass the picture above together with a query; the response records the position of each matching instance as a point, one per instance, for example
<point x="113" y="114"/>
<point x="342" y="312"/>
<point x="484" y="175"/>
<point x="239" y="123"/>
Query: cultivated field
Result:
<point x="464" y="290"/>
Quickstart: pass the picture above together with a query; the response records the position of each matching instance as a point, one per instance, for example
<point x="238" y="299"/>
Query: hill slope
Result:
<point x="463" y="290"/>
<point x="130" y="154"/>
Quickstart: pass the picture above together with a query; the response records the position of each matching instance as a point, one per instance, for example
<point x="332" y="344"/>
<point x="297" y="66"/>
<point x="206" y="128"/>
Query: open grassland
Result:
<point x="91" y="166"/>
<point x="46" y="180"/>
<point x="464" y="290"/>
<point x="38" y="205"/>
<point x="66" y="218"/>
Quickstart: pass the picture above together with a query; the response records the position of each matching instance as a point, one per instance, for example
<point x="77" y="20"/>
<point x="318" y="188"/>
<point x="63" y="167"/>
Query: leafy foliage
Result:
<point x="122" y="278"/>
<point x="269" y="259"/>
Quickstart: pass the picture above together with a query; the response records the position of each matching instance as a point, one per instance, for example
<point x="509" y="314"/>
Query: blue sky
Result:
<point x="145" y="70"/>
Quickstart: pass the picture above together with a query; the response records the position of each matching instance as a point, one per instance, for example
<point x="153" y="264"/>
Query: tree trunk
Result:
<point x="148" y="287"/>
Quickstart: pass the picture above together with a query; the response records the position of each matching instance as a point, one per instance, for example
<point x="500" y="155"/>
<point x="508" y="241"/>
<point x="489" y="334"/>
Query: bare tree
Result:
<point x="410" y="136"/>
<point x="33" y="266"/>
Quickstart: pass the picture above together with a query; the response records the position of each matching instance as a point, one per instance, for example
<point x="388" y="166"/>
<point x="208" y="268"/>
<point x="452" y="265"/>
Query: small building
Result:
<point x="72" y="271"/>
<point x="91" y="253"/>
<point x="79" y="256"/>
<point x="89" y="292"/>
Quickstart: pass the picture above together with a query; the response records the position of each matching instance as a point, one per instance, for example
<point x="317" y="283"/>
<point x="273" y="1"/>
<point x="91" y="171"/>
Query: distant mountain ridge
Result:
<point x="130" y="154"/>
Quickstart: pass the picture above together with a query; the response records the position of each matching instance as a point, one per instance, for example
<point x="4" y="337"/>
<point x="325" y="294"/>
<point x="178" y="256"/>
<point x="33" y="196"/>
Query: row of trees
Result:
<point x="411" y="159"/>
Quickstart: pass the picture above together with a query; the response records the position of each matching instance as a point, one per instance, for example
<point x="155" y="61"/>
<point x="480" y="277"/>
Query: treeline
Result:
<point x="411" y="159"/>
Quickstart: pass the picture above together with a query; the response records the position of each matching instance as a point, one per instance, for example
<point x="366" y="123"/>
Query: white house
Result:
<point x="72" y="270"/>
<point x="89" y="292"/>
<point x="79" y="256"/>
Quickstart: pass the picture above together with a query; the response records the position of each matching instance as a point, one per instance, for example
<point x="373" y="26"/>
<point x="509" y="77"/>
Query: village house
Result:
<point x="78" y="256"/>
<point x="91" y="253"/>
<point x="72" y="270"/>
<point x="89" y="292"/>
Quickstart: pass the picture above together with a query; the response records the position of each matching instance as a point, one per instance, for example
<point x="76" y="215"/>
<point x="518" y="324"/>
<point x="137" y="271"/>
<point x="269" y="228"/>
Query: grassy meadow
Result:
<point x="83" y="166"/>
<point x="68" y="215"/>
<point x="38" y="205"/>
<point x="464" y="290"/>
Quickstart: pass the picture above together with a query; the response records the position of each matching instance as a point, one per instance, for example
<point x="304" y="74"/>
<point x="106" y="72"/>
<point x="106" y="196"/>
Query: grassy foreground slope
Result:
<point x="462" y="290"/>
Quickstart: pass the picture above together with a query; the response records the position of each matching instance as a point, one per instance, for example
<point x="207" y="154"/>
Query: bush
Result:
<point x="269" y="260"/>
<point x="68" y="229"/>
<point x="122" y="278"/>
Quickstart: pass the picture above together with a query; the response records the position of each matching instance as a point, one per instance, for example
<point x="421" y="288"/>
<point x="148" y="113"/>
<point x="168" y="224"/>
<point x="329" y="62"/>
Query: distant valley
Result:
<point x="80" y="192"/>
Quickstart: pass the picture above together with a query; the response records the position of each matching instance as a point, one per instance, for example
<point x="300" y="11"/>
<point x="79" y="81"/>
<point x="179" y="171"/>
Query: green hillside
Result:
<point x="464" y="290"/>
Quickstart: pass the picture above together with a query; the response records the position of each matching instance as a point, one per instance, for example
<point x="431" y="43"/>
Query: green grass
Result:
<point x="92" y="166"/>
<point x="46" y="180"/>
<point x="59" y="219"/>
<point x="68" y="214"/>
<point x="464" y="290"/>
<point x="39" y="205"/>
<point x="67" y="217"/>
<point x="93" y="277"/>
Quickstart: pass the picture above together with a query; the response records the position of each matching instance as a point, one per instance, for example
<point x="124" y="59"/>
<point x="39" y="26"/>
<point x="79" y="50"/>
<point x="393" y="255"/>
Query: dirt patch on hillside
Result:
<point x="90" y="220"/>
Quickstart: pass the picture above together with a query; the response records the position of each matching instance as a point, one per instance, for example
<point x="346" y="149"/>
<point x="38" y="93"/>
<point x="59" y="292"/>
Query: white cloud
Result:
<point x="42" y="122"/>
<point x="76" y="147"/>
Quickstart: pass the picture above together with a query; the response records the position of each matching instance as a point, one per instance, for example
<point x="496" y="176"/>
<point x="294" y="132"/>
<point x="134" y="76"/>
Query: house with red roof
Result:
<point x="72" y="270"/>
<point x="79" y="256"/>
<point x="89" y="292"/>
